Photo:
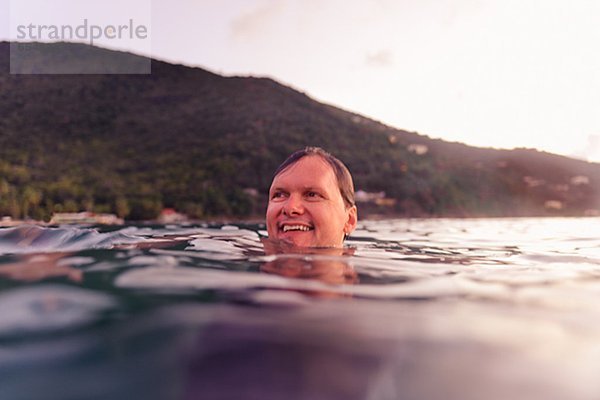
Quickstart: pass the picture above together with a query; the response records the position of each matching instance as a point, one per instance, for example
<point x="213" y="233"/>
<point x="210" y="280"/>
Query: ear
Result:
<point x="351" y="221"/>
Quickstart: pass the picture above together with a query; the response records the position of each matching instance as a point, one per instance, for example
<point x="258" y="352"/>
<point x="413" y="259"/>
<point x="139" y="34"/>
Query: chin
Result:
<point x="304" y="239"/>
<point x="299" y="242"/>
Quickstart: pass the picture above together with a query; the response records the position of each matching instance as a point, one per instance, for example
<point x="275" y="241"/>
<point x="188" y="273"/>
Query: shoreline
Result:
<point x="4" y="223"/>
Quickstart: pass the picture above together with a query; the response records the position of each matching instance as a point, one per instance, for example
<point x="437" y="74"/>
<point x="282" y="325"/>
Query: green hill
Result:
<point x="196" y="141"/>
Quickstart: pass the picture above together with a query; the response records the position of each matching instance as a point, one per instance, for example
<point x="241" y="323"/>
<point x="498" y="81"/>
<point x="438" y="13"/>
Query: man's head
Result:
<point x="311" y="200"/>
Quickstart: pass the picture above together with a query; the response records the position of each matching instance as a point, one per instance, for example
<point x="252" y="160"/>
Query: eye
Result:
<point x="278" y="195"/>
<point x="313" y="195"/>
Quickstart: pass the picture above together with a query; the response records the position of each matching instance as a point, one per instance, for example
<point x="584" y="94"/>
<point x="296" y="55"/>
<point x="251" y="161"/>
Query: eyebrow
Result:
<point x="314" y="189"/>
<point x="321" y="190"/>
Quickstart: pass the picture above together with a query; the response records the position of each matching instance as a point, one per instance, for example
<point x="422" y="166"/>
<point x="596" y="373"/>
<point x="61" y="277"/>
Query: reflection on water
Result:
<point x="328" y="265"/>
<point x="413" y="309"/>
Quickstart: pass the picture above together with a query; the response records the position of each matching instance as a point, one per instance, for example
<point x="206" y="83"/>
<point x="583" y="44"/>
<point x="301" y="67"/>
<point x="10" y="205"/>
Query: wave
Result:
<point x="35" y="239"/>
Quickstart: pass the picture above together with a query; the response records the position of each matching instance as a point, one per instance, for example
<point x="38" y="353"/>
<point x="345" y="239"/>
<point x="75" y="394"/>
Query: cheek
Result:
<point x="271" y="214"/>
<point x="271" y="210"/>
<point x="330" y="214"/>
<point x="333" y="221"/>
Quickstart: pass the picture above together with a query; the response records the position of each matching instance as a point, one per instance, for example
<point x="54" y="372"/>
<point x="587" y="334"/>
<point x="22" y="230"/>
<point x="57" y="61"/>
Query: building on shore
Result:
<point x="85" y="217"/>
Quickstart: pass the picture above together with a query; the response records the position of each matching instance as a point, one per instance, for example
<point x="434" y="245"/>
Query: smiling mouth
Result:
<point x="301" y="228"/>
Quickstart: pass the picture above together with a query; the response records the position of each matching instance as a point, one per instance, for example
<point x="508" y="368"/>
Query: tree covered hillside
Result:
<point x="206" y="145"/>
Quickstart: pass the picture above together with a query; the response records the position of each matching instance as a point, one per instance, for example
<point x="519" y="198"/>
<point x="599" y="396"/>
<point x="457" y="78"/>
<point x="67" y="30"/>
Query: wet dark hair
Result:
<point x="341" y="172"/>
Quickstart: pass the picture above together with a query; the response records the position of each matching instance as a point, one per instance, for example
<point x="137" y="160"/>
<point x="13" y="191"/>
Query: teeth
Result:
<point x="295" y="228"/>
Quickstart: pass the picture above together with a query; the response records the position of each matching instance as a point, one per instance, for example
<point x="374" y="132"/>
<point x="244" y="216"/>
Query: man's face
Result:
<point x="306" y="207"/>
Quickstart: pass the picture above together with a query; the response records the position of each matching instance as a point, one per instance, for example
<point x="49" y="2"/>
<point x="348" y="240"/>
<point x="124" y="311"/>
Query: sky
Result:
<point x="490" y="73"/>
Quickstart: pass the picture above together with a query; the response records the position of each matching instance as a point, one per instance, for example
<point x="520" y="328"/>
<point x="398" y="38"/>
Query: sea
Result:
<point x="422" y="309"/>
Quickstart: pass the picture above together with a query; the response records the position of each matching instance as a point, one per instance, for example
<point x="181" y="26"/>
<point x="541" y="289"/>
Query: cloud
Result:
<point x="257" y="20"/>
<point x="381" y="58"/>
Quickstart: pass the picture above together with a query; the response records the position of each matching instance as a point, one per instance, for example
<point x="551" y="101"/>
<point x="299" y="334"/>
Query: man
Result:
<point x="311" y="200"/>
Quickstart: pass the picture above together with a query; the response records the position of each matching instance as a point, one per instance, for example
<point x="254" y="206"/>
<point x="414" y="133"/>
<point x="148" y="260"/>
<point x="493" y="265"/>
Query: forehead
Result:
<point x="309" y="171"/>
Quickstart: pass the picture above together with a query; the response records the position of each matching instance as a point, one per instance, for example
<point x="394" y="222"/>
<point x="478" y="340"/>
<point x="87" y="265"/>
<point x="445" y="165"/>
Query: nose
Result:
<point x="293" y="206"/>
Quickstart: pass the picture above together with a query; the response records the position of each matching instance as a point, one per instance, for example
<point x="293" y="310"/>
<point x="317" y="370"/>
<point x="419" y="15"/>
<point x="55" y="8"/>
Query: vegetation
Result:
<point x="196" y="141"/>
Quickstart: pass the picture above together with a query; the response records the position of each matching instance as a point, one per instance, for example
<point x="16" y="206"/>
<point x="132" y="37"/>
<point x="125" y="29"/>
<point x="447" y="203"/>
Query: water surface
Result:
<point x="413" y="309"/>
